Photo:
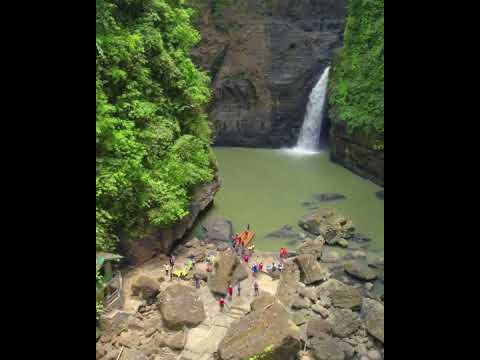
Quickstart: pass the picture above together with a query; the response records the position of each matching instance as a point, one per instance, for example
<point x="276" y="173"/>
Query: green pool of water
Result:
<point x="266" y="188"/>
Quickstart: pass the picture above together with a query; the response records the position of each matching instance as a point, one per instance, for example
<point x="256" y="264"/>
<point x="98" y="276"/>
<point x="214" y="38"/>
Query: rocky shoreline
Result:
<point x="327" y="303"/>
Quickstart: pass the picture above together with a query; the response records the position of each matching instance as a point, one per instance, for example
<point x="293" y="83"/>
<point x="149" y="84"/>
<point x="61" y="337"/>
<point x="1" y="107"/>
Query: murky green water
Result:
<point x="266" y="189"/>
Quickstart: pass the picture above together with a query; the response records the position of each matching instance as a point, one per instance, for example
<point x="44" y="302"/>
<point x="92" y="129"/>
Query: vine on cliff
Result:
<point x="357" y="79"/>
<point x="152" y="133"/>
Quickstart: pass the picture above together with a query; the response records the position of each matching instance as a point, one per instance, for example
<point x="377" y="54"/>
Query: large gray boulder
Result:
<point x="180" y="306"/>
<point x="261" y="302"/>
<point x="359" y="270"/>
<point x="240" y="274"/>
<point x="327" y="348"/>
<point x="373" y="314"/>
<point x="132" y="354"/>
<point x="328" y="223"/>
<point x="316" y="326"/>
<point x="252" y="334"/>
<point x="223" y="273"/>
<point x="342" y="295"/>
<point x="344" y="322"/>
<point x="310" y="270"/>
<point x="146" y="288"/>
<point x="312" y="246"/>
<point x="217" y="228"/>
<point x="114" y="322"/>
<point x="288" y="283"/>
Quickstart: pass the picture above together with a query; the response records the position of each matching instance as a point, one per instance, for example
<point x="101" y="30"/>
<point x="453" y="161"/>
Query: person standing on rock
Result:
<point x="222" y="304"/>
<point x="255" y="288"/>
<point x="167" y="268"/>
<point x="230" y="292"/>
<point x="197" y="281"/>
<point x="238" y="289"/>
<point x="260" y="266"/>
<point x="254" y="269"/>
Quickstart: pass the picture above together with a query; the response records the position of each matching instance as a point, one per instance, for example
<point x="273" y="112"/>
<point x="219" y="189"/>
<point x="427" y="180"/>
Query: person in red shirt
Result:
<point x="245" y="258"/>
<point x="222" y="304"/>
<point x="230" y="291"/>
<point x="260" y="267"/>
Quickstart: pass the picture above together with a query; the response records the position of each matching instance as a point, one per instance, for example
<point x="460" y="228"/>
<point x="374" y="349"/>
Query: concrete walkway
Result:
<point x="203" y="341"/>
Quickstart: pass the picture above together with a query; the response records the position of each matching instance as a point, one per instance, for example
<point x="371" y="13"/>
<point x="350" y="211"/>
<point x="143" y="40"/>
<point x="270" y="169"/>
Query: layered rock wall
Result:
<point x="265" y="56"/>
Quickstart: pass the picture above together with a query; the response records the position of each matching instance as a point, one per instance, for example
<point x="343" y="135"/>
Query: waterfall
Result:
<point x="312" y="123"/>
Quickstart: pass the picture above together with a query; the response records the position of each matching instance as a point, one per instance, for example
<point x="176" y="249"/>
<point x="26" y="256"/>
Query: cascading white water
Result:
<point x="312" y="123"/>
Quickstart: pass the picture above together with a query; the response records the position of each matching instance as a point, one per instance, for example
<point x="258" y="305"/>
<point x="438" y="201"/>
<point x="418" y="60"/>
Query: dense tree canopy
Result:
<point x="152" y="134"/>
<point x="357" y="80"/>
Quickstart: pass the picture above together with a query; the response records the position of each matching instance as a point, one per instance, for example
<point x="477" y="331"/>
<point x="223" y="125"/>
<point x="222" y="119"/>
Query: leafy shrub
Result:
<point x="356" y="86"/>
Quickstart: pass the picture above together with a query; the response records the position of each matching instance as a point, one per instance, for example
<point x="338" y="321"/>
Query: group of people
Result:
<point x="239" y="290"/>
<point x="240" y="249"/>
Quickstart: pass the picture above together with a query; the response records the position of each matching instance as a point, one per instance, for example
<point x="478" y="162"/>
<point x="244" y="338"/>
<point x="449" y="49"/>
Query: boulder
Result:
<point x="313" y="247"/>
<point x="223" y="273"/>
<point x="149" y="348"/>
<point x="176" y="341"/>
<point x="128" y="339"/>
<point x="344" y="322"/>
<point x="374" y="355"/>
<point x="114" y="322"/>
<point x="324" y="197"/>
<point x="299" y="318"/>
<point x="194" y="242"/>
<point x="146" y="288"/>
<point x="132" y="354"/>
<point x="316" y="326"/>
<point x="307" y="292"/>
<point x="180" y="306"/>
<point x="310" y="270"/>
<point x="338" y="241"/>
<point x="261" y="302"/>
<point x="327" y="348"/>
<point x="240" y="273"/>
<point x="300" y="303"/>
<point x="217" y="228"/>
<point x="252" y="334"/>
<point x="330" y="256"/>
<point x="359" y="270"/>
<point x="357" y="254"/>
<point x="222" y="247"/>
<point x="373" y="315"/>
<point x="311" y="221"/>
<point x="342" y="295"/>
<point x="347" y="349"/>
<point x="328" y="223"/>
<point x="322" y="311"/>
<point x="288" y="283"/>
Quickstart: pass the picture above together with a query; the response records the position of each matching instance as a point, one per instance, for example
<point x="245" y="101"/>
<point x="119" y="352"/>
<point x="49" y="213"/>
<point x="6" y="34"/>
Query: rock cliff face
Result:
<point x="264" y="57"/>
<point x="355" y="152"/>
<point x="159" y="240"/>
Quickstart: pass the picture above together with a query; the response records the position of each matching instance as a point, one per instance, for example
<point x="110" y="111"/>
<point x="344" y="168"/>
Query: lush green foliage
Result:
<point x="266" y="354"/>
<point x="357" y="78"/>
<point x="152" y="134"/>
